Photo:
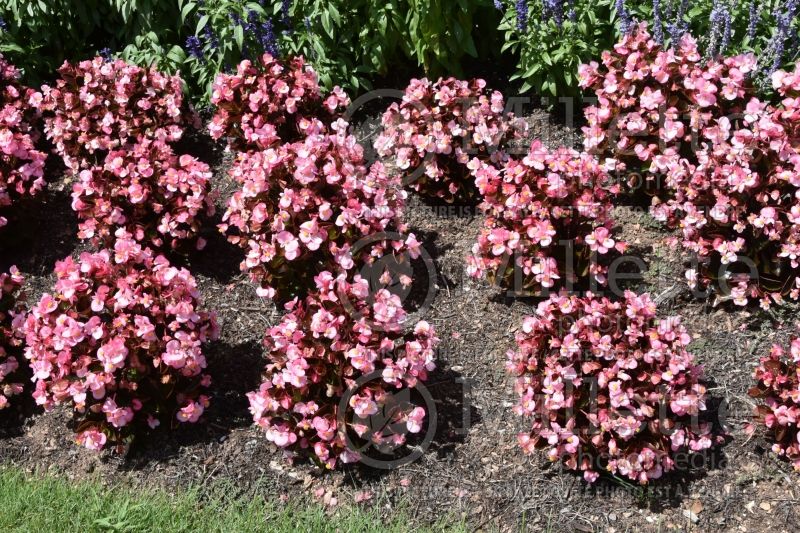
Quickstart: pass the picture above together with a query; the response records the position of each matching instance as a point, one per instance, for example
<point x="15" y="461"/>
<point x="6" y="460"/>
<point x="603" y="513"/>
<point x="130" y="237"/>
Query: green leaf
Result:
<point x="11" y="47"/>
<point x="253" y="6"/>
<point x="201" y="24"/>
<point x="186" y="9"/>
<point x="458" y="31"/>
<point x="509" y="45"/>
<point x="469" y="46"/>
<point x="696" y="11"/>
<point x="176" y="54"/>
<point x="326" y="24"/>
<point x="532" y="70"/>
<point x="238" y="36"/>
<point x="337" y="18"/>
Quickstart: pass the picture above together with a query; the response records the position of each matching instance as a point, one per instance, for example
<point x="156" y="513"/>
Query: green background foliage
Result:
<point x="353" y="43"/>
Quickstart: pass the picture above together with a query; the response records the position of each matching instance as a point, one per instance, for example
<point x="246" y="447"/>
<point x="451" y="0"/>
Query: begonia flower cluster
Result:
<point x="778" y="391"/>
<point x="21" y="164"/>
<point x="145" y="191"/>
<point x="11" y="379"/>
<point x="548" y="220"/>
<point x="653" y="102"/>
<point x="120" y="341"/>
<point x="271" y="101"/>
<point x="787" y="114"/>
<point x="610" y="388"/>
<point x="438" y="127"/>
<point x="97" y="106"/>
<point x="738" y="209"/>
<point x="304" y="205"/>
<point x="727" y="161"/>
<point x="336" y="359"/>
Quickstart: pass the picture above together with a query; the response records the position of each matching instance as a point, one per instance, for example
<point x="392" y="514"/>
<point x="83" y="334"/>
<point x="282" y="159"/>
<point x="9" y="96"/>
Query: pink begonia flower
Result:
<point x="600" y="241"/>
<point x="267" y="94"/>
<point x="312" y="235"/>
<point x="281" y="436"/>
<point x="778" y="397"/>
<point x="117" y="416"/>
<point x="415" y="419"/>
<point x="146" y="192"/>
<point x="192" y="412"/>
<point x="707" y="192"/>
<point x="363" y="407"/>
<point x="112" y="354"/>
<point x="92" y="439"/>
<point x="11" y="319"/>
<point x="22" y="166"/>
<point x="314" y="195"/>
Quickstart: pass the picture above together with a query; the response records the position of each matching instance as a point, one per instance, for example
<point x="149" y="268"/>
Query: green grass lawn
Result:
<point x="46" y="503"/>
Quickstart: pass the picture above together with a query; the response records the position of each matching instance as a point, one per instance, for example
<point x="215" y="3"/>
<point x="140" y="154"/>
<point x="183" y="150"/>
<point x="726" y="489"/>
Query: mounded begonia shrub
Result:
<point x="120" y="341"/>
<point x="438" y="127"/>
<point x="303" y="206"/>
<point x="737" y="204"/>
<point x="609" y="387"/>
<point x="548" y="220"/>
<point x="11" y="380"/>
<point x="270" y="101"/>
<point x="726" y="161"/>
<point x="738" y="210"/>
<point x="21" y="165"/>
<point x="99" y="105"/>
<point x="652" y="103"/>
<point x="325" y="355"/>
<point x="778" y="391"/>
<point x="147" y="191"/>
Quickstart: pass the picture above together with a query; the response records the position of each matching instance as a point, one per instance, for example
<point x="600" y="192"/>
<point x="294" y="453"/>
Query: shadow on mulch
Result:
<point x="431" y="243"/>
<point x="197" y="143"/>
<point x="220" y="259"/>
<point x="426" y="273"/>
<point x="234" y="377"/>
<point x="454" y="416"/>
<point x="37" y="236"/>
<point x="508" y="297"/>
<point x="13" y="420"/>
<point x="455" y="412"/>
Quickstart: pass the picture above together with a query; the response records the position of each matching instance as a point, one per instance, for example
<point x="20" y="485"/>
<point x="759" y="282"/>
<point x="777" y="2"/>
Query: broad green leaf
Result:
<point x="326" y="24"/>
<point x="532" y="70"/>
<point x="177" y="54"/>
<point x="238" y="36"/>
<point x="337" y="18"/>
<point x="201" y="24"/>
<point x="470" y="47"/>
